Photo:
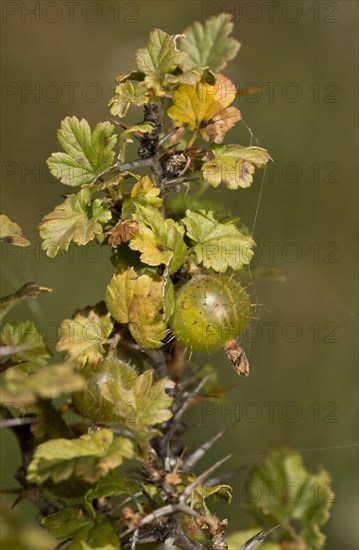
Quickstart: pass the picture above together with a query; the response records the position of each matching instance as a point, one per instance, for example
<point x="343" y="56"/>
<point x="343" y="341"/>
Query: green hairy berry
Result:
<point x="210" y="310"/>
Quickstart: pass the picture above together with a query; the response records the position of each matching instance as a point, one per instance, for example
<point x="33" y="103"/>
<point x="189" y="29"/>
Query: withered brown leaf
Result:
<point x="237" y="358"/>
<point x="122" y="232"/>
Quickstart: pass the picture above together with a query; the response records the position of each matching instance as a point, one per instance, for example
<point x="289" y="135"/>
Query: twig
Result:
<point x="169" y="542"/>
<point x="62" y="543"/>
<point x="11" y="350"/>
<point x="173" y="424"/>
<point x="180" y="538"/>
<point x="134" y="539"/>
<point x="127" y="166"/>
<point x="164" y="511"/>
<point x="190" y="462"/>
<point x="177" y="415"/>
<point x="170" y="509"/>
<point x="190" y="488"/>
<point x="152" y="502"/>
<point x="142" y="539"/>
<point x="218" y="480"/>
<point x="157" y="359"/>
<point x="123" y="433"/>
<point x="149" y="162"/>
<point x="168" y="135"/>
<point x="11" y="422"/>
<point x="259" y="537"/>
<point x="167" y="184"/>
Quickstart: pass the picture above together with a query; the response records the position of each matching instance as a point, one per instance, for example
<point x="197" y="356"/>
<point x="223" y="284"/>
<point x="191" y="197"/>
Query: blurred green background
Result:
<point x="62" y="59"/>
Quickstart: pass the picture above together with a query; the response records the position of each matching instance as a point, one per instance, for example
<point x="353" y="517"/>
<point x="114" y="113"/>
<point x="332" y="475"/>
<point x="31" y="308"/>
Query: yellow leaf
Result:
<point x="11" y="233"/>
<point x="83" y="337"/>
<point x="205" y="108"/>
<point x="159" y="241"/>
<point x="145" y="190"/>
<point x="152" y="253"/>
<point x="140" y="301"/>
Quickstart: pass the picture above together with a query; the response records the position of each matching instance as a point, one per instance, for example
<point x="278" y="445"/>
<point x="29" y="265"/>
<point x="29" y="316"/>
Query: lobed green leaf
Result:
<point x="27" y="382"/>
<point x="138" y="401"/>
<point x="77" y="219"/>
<point x="90" y="457"/>
<point x="22" y="342"/>
<point x="210" y="44"/>
<point x="158" y="58"/>
<point x="98" y="533"/>
<point x="87" y="154"/>
<point x="290" y="493"/>
<point x="218" y="245"/>
<point x="144" y="193"/>
<point x="125" y="95"/>
<point x="159" y="240"/>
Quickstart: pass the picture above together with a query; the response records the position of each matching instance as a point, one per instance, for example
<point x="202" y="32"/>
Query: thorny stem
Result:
<point x="149" y="162"/>
<point x="166" y="511"/>
<point x="168" y="135"/>
<point x="190" y="462"/>
<point x="205" y="475"/>
<point x="150" y="141"/>
<point x="150" y="153"/>
<point x="127" y="166"/>
<point x="164" y="522"/>
<point x="259" y="537"/>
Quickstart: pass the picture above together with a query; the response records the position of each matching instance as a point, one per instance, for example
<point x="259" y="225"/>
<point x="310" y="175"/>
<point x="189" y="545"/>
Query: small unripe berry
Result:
<point x="210" y="310"/>
<point x="90" y="403"/>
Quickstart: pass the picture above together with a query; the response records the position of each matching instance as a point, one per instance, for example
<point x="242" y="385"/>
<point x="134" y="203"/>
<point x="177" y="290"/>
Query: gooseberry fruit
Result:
<point x="210" y="310"/>
<point x="90" y="402"/>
